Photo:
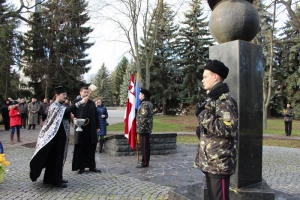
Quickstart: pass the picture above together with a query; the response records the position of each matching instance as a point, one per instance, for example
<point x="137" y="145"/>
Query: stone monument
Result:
<point x="233" y="24"/>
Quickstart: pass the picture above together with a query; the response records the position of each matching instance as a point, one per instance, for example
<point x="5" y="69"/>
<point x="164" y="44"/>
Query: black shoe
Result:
<point x="63" y="185"/>
<point x="80" y="171"/>
<point x="64" y="181"/>
<point x="95" y="170"/>
<point x="141" y="166"/>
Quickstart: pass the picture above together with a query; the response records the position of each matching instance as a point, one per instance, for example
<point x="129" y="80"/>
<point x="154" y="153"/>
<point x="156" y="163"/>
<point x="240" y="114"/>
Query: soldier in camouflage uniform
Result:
<point x="288" y="114"/>
<point x="218" y="121"/>
<point x="144" y="124"/>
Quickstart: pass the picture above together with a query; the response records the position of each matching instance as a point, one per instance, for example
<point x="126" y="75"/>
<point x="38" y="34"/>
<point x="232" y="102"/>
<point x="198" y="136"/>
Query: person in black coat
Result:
<point x="5" y="114"/>
<point x="85" y="141"/>
<point x="52" y="144"/>
<point x="102" y="116"/>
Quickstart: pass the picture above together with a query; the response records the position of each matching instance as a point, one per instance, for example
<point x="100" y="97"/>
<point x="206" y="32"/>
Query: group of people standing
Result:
<point x="19" y="114"/>
<point x="52" y="144"/>
<point x="14" y="116"/>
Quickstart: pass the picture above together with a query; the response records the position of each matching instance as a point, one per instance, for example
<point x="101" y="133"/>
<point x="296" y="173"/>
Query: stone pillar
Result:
<point x="245" y="81"/>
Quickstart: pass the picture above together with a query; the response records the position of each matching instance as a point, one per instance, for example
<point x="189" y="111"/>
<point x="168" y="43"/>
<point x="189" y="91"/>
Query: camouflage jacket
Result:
<point x="218" y="128"/>
<point x="288" y="114"/>
<point x="144" y="118"/>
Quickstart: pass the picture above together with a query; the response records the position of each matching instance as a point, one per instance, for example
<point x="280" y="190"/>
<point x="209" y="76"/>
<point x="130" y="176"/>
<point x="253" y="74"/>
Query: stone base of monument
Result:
<point x="198" y="191"/>
<point x="257" y="191"/>
<point x="160" y="144"/>
<point x="190" y="192"/>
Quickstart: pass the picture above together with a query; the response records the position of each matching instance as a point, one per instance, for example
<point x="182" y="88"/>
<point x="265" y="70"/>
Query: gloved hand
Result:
<point x="199" y="108"/>
<point x="198" y="131"/>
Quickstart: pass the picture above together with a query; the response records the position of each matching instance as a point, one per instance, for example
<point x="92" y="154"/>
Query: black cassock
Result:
<point x="52" y="144"/>
<point x="85" y="141"/>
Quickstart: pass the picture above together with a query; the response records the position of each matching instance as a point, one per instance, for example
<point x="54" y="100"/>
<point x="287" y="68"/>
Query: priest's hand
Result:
<point x="84" y="99"/>
<point x="71" y="116"/>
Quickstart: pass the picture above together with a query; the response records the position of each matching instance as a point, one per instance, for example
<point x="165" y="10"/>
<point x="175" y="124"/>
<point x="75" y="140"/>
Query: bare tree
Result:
<point x="295" y="19"/>
<point x="23" y="7"/>
<point x="139" y="13"/>
<point x="267" y="89"/>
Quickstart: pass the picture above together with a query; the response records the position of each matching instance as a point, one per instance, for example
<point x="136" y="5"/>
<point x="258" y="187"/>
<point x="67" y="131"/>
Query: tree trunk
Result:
<point x="164" y="107"/>
<point x="268" y="90"/>
<point x="265" y="113"/>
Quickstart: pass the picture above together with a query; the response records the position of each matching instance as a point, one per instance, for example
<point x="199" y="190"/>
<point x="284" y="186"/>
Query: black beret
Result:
<point x="145" y="92"/>
<point x="59" y="90"/>
<point x="217" y="67"/>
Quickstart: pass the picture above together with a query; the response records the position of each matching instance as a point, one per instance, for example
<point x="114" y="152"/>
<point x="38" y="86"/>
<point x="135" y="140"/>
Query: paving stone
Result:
<point x="121" y="180"/>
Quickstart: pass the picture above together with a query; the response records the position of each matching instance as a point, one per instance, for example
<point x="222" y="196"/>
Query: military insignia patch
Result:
<point x="226" y="116"/>
<point x="143" y="111"/>
<point x="222" y="97"/>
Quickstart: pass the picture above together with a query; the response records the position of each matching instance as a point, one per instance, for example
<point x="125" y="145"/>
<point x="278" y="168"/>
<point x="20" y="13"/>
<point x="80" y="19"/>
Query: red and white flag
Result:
<point x="129" y="118"/>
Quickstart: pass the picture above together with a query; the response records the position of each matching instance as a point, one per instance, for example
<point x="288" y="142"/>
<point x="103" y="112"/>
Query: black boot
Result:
<point x="101" y="146"/>
<point x="29" y="127"/>
<point x="33" y="126"/>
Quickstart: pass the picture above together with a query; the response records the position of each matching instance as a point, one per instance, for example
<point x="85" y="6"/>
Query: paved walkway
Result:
<point x="121" y="180"/>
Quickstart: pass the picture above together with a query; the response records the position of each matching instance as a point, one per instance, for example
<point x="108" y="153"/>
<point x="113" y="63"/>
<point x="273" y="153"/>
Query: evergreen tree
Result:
<point x="289" y="59"/>
<point x="104" y="85"/>
<point x="36" y="62"/>
<point x="125" y="84"/>
<point x="118" y="79"/>
<point x="61" y="41"/>
<point x="192" y="49"/>
<point x="10" y="48"/>
<point x="163" y="73"/>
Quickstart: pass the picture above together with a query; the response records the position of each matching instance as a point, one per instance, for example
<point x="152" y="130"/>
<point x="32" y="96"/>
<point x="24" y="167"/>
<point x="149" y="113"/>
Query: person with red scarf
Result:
<point x="15" y="121"/>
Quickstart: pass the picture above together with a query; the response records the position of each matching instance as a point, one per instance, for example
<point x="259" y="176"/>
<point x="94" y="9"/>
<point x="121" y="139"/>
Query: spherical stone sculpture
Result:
<point x="233" y="20"/>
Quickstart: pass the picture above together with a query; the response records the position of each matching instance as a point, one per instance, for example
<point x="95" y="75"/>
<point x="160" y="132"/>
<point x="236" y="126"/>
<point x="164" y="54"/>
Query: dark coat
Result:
<point x="5" y="113"/>
<point x="23" y="108"/>
<point x="101" y="110"/>
<point x="89" y="133"/>
<point x="288" y="114"/>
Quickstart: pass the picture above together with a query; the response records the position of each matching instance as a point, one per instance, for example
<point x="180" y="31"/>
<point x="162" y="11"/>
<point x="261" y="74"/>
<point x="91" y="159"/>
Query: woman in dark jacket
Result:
<point x="102" y="115"/>
<point x="5" y="114"/>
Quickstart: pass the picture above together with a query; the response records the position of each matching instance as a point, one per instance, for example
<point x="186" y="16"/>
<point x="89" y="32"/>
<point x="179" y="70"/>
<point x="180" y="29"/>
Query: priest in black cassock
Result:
<point x="85" y="141"/>
<point x="52" y="143"/>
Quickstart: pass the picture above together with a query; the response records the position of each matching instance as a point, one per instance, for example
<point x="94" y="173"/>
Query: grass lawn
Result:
<point x="276" y="126"/>
<point x="189" y="123"/>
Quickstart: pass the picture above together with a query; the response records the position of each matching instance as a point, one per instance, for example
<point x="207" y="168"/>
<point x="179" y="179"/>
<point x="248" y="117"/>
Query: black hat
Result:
<point x="15" y="102"/>
<point x="145" y="92"/>
<point x="217" y="67"/>
<point x="59" y="90"/>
